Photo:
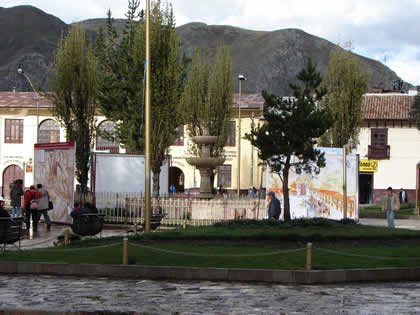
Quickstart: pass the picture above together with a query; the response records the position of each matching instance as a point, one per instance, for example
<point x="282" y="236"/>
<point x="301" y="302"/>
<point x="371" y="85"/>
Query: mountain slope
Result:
<point x="270" y="60"/>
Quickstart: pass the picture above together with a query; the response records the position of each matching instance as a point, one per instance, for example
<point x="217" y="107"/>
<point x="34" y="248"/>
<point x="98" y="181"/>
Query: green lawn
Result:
<point x="216" y="246"/>
<point x="375" y="210"/>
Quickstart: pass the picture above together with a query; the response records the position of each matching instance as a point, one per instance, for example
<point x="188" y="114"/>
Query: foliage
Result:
<point x="206" y="102"/>
<point x="345" y="84"/>
<point x="415" y="110"/>
<point x="302" y="222"/>
<point x="121" y="95"/>
<point x="292" y="126"/>
<point x="73" y="95"/>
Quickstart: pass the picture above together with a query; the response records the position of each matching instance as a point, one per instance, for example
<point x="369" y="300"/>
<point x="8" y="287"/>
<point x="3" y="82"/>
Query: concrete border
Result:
<point x="211" y="274"/>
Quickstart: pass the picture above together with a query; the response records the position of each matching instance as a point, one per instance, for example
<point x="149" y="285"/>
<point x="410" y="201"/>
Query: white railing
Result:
<point x="128" y="208"/>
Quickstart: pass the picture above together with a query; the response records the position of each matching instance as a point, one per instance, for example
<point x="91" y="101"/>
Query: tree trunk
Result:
<point x="286" y="193"/>
<point x="156" y="188"/>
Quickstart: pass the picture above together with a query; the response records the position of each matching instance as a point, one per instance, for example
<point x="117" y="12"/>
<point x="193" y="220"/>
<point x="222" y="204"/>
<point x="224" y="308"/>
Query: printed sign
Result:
<point x="54" y="168"/>
<point x="321" y="195"/>
<point x="368" y="165"/>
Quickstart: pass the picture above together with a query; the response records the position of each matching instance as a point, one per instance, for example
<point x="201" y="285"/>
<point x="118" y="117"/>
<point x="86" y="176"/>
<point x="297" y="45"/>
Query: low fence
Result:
<point x="128" y="208"/>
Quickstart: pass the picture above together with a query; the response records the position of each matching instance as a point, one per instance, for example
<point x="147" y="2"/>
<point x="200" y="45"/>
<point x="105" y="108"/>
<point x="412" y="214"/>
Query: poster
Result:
<point x="54" y="168"/>
<point x="321" y="195"/>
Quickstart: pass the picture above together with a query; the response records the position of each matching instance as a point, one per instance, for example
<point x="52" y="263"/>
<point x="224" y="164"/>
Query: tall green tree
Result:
<point x="74" y="83"/>
<point x="121" y="96"/>
<point x="346" y="84"/>
<point x="207" y="99"/>
<point x="292" y="126"/>
<point x="415" y="110"/>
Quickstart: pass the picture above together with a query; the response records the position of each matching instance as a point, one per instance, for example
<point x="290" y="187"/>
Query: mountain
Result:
<point x="269" y="60"/>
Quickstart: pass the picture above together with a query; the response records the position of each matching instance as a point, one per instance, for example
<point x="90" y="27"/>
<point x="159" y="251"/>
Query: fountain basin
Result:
<point x="204" y="139"/>
<point x="205" y="162"/>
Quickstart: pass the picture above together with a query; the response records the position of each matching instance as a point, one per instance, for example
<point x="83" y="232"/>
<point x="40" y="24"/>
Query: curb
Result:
<point x="291" y="277"/>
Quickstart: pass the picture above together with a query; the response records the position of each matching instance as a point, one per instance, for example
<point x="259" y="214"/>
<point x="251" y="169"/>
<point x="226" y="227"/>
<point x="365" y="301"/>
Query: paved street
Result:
<point x="41" y="293"/>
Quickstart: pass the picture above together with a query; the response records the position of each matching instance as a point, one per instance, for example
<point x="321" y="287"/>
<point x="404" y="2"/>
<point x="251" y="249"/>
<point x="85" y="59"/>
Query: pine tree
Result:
<point x="346" y="84"/>
<point x="292" y="126"/>
<point x="73" y="95"/>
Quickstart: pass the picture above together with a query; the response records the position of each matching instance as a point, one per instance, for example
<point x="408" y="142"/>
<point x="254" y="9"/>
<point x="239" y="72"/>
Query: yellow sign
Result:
<point x="368" y="165"/>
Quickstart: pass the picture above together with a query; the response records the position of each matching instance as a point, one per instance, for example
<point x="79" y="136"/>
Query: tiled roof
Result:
<point x="22" y="99"/>
<point x="251" y="101"/>
<point x="386" y="106"/>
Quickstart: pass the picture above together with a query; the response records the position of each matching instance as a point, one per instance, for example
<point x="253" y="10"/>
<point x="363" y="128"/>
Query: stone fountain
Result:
<point x="205" y="163"/>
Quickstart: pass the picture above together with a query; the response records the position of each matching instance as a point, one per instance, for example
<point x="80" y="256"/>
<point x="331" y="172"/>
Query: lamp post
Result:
<point x="20" y="71"/>
<point x="252" y="151"/>
<point x="240" y="78"/>
<point x="147" y="213"/>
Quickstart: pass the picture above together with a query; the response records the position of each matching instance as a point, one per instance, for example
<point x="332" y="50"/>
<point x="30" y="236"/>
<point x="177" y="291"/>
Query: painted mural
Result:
<point x="54" y="169"/>
<point x="321" y="195"/>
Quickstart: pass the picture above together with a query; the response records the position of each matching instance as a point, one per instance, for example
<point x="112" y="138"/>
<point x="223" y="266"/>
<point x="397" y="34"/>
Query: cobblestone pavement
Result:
<point x="59" y="294"/>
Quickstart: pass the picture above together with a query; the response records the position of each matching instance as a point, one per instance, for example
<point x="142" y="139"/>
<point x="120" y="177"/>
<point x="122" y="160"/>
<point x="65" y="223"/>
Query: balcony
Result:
<point x="112" y="148"/>
<point x="379" y="152"/>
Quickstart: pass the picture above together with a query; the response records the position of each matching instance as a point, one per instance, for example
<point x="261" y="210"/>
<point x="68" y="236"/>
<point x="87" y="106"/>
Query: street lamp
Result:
<point x="240" y="78"/>
<point x="20" y="71"/>
<point x="252" y="151"/>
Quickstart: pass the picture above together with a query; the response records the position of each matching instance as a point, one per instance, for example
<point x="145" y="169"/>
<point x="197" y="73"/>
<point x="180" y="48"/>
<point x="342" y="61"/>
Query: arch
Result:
<point x="10" y="174"/>
<point x="49" y="131"/>
<point x="106" y="129"/>
<point x="177" y="178"/>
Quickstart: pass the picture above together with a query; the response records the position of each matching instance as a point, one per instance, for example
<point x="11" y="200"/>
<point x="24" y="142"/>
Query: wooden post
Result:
<point x="309" y="257"/>
<point x="125" y="251"/>
<point x="66" y="236"/>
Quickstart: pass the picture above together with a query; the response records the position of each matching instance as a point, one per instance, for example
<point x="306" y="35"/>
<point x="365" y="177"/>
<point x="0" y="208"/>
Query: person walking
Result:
<point x="16" y="193"/>
<point x="403" y="196"/>
<point x="390" y="205"/>
<point x="274" y="208"/>
<point x="30" y="205"/>
<point x="43" y="205"/>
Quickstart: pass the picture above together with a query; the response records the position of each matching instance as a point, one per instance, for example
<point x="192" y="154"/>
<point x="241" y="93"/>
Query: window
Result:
<point x="379" y="136"/>
<point x="231" y="136"/>
<point x="14" y="131"/>
<point x="179" y="136"/>
<point x="106" y="140"/>
<point x="224" y="176"/>
<point x="49" y="131"/>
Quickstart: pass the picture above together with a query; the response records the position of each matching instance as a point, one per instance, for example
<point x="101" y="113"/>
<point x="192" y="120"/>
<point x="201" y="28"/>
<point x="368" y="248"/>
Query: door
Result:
<point x="365" y="188"/>
<point x="10" y="174"/>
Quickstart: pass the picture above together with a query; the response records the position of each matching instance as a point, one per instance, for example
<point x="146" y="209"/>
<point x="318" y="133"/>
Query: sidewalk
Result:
<point x="399" y="223"/>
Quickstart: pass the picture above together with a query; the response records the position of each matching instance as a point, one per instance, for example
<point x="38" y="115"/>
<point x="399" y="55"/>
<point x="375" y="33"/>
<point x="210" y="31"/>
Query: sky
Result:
<point x="384" y="30"/>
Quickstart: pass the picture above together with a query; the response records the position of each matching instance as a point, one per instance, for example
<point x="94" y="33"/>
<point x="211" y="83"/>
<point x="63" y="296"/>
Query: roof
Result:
<point x="386" y="106"/>
<point x="249" y="101"/>
<point x="22" y="100"/>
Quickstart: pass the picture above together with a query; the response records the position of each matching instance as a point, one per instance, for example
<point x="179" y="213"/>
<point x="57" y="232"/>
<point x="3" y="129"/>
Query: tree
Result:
<point x="346" y="85"/>
<point x="207" y="99"/>
<point x="292" y="126"/>
<point x="415" y="110"/>
<point x="73" y="95"/>
<point x="121" y="96"/>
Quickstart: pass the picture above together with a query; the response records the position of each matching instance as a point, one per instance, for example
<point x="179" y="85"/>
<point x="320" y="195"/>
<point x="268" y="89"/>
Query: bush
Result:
<point x="300" y="222"/>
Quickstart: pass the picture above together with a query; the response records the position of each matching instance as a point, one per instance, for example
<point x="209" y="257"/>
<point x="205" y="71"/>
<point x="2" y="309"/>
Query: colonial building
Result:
<point x="389" y="146"/>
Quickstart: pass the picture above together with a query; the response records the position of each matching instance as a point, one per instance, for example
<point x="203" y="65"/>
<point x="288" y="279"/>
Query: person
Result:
<point x="251" y="192"/>
<point x="3" y="212"/>
<point x="390" y="204"/>
<point x="172" y="189"/>
<point x="16" y="193"/>
<point x="43" y="205"/>
<point x="403" y="196"/>
<point x="274" y="207"/>
<point x="30" y="196"/>
<point x="76" y="206"/>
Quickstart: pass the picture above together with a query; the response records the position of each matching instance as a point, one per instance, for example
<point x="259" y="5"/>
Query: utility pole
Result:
<point x="148" y="210"/>
<point x="240" y="78"/>
<point x="252" y="151"/>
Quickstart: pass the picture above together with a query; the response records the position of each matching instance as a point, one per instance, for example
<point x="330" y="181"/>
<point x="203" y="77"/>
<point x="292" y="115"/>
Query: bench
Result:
<point x="11" y="232"/>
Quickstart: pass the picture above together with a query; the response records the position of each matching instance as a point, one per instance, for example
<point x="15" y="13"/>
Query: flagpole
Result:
<point x="147" y="213"/>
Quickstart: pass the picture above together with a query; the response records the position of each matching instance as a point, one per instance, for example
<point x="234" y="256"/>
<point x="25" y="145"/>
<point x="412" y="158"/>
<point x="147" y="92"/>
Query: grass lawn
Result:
<point x="216" y="246"/>
<point x="375" y="210"/>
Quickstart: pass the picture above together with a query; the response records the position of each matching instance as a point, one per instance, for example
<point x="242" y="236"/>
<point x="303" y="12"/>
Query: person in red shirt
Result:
<point x="29" y="203"/>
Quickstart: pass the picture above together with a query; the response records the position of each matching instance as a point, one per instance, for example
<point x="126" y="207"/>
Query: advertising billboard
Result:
<point x="321" y="195"/>
<point x="54" y="167"/>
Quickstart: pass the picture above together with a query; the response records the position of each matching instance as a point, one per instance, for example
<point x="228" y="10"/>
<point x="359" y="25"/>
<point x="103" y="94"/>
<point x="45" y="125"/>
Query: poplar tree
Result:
<point x="121" y="96"/>
<point x="292" y="126"/>
<point x="73" y="83"/>
<point x="346" y="84"/>
<point x="207" y="99"/>
<point x="415" y="110"/>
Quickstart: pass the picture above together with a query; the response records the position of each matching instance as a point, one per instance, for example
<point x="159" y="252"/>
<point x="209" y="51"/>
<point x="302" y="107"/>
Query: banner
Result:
<point x="54" y="168"/>
<point x="321" y="195"/>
